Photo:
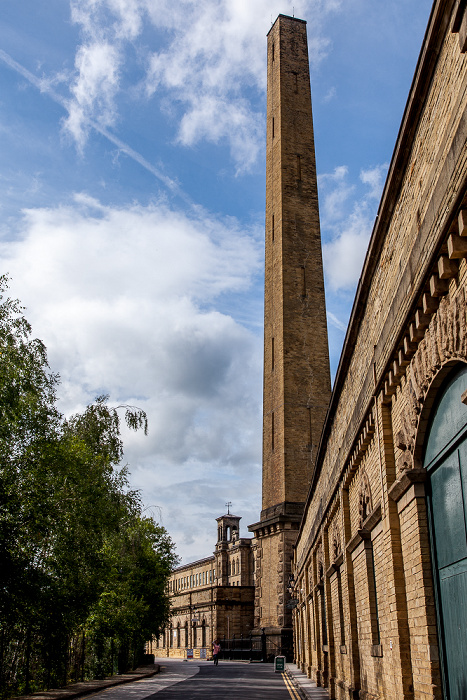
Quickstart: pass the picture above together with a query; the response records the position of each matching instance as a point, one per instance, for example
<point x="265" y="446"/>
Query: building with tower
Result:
<point x="211" y="598"/>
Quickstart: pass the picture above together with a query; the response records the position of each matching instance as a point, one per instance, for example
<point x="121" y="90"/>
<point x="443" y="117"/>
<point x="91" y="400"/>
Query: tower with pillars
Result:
<point x="297" y="385"/>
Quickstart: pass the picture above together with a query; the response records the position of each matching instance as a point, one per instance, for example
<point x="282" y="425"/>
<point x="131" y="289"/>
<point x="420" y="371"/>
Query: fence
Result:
<point x="260" y="648"/>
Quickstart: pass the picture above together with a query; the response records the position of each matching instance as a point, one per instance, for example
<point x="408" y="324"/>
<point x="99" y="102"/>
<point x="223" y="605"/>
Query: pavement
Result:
<point x="176" y="679"/>
<point x="77" y="690"/>
<point x="303" y="685"/>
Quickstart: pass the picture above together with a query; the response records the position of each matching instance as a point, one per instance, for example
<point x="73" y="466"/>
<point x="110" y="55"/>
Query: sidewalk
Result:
<point x="76" y="690"/>
<point x="306" y="688"/>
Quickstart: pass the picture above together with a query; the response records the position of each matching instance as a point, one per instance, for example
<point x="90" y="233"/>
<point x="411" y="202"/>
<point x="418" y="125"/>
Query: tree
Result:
<point x="133" y="606"/>
<point x="72" y="533"/>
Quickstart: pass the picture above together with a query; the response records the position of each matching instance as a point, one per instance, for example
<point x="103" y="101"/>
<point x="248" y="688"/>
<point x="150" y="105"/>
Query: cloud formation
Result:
<point x="347" y="218"/>
<point x="208" y="65"/>
<point x="98" y="65"/>
<point x="124" y="299"/>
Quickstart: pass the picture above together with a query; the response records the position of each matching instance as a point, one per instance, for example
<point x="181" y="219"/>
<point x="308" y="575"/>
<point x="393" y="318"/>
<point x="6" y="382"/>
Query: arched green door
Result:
<point x="446" y="463"/>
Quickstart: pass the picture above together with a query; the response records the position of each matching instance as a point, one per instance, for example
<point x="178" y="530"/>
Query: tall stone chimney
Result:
<point x="297" y="386"/>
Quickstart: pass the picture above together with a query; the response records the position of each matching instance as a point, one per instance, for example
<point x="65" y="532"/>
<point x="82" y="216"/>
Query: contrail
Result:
<point x="336" y="322"/>
<point x="44" y="87"/>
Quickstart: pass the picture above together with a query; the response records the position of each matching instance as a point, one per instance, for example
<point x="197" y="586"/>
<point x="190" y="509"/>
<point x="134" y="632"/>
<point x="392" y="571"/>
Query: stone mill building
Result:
<point x="211" y="598"/>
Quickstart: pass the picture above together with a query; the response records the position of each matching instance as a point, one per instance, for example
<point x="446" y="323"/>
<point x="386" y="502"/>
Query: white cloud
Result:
<point x="125" y="301"/>
<point x="343" y="257"/>
<point x="330" y="95"/>
<point x="207" y="70"/>
<point x="211" y="54"/>
<point x="346" y="222"/>
<point x="213" y="118"/>
<point x="337" y="191"/>
<point x="374" y="177"/>
<point x="94" y="89"/>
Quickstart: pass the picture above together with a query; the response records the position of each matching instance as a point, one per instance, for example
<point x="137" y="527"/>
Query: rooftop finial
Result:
<point x="228" y="504"/>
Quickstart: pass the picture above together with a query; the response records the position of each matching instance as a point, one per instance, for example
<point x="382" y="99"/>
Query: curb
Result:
<point x="77" y="690"/>
<point x="297" y="687"/>
<point x="303" y="686"/>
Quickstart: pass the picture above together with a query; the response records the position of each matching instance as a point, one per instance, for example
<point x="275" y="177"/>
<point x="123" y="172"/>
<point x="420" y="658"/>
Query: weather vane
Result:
<point x="228" y="504"/>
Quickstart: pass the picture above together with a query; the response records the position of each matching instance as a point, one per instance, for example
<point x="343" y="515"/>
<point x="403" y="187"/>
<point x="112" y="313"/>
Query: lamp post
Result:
<point x="194" y="620"/>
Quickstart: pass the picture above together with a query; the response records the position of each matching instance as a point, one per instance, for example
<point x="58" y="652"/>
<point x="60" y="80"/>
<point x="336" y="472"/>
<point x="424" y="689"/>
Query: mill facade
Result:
<point x="211" y="598"/>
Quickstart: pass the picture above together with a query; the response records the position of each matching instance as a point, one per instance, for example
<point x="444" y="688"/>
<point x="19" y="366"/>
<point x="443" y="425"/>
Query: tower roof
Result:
<point x="229" y="515"/>
<point x="295" y="19"/>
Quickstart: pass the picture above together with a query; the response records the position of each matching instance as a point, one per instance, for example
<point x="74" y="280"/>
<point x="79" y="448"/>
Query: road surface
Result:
<point x="201" y="680"/>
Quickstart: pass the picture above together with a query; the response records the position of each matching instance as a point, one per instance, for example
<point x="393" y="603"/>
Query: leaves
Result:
<point x="78" y="561"/>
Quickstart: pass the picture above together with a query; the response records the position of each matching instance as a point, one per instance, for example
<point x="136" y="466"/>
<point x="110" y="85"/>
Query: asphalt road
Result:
<point x="192" y="680"/>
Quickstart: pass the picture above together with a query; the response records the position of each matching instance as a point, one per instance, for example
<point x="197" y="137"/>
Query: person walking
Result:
<point x="216" y="647"/>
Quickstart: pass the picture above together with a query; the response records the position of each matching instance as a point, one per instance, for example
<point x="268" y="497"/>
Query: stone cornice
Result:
<point x="405" y="481"/>
<point x="359" y="536"/>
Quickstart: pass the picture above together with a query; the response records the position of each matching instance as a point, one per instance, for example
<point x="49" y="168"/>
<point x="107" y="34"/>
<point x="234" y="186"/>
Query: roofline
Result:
<point x="295" y="19"/>
<point x="193" y="563"/>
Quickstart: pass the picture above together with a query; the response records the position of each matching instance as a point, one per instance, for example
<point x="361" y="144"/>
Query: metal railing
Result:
<point x="260" y="648"/>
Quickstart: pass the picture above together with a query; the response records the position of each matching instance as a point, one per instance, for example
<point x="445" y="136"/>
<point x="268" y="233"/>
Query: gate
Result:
<point x="260" y="648"/>
<point x="241" y="649"/>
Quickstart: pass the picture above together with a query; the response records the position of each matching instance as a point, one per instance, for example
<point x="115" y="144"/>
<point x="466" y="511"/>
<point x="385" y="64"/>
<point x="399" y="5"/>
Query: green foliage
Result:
<point x="83" y="573"/>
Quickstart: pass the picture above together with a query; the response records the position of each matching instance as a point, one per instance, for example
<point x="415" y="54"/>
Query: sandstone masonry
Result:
<point x="211" y="598"/>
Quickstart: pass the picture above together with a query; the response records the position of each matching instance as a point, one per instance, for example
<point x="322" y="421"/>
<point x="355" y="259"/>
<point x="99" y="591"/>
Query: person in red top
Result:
<point x="216" y="647"/>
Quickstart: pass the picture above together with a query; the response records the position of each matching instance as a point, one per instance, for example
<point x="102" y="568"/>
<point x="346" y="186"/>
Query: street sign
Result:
<point x="279" y="664"/>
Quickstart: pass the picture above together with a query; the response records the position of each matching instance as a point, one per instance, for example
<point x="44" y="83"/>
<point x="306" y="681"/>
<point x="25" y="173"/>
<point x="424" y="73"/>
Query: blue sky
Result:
<point x="132" y="135"/>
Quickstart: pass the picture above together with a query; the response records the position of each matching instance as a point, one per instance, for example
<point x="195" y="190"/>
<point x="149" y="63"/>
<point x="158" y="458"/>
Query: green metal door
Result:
<point x="446" y="462"/>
